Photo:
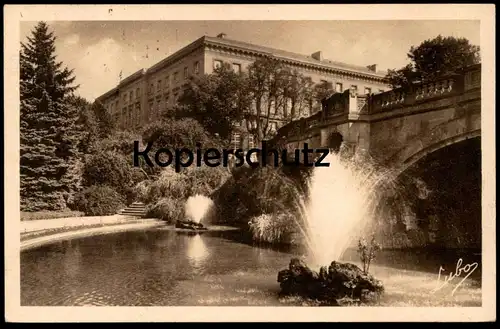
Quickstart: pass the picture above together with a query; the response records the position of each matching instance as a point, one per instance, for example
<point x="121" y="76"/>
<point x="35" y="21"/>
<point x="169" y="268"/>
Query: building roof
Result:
<point x="277" y="53"/>
<point x="294" y="56"/>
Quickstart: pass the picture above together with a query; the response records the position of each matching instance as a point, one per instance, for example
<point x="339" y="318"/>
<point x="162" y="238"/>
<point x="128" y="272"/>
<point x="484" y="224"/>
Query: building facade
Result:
<point x="142" y="96"/>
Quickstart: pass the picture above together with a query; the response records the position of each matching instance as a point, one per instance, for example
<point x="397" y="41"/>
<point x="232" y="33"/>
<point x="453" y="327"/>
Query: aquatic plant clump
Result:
<point x="335" y="285"/>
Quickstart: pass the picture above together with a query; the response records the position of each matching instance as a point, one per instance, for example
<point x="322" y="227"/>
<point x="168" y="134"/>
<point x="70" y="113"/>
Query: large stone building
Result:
<point x="141" y="97"/>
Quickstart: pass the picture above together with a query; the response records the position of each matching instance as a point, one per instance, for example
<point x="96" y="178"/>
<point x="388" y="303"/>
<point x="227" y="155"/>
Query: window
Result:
<point x="150" y="110"/>
<point x="151" y="88"/>
<point x="158" y="85"/>
<point x="236" y="140"/>
<point x="186" y="72"/>
<point x="354" y="88"/>
<point x="288" y="103"/>
<point x="368" y="91"/>
<point x="124" y="98"/>
<point x="131" y="95"/>
<point x="196" y="67"/>
<point x="272" y="108"/>
<point x="124" y="116"/>
<point x="137" y="113"/>
<point x="251" y="143"/>
<point x="176" y="76"/>
<point x="175" y="97"/>
<point x="158" y="107"/>
<point x="138" y="93"/>
<point x="217" y="64"/>
<point x="273" y="127"/>
<point x="237" y="68"/>
<point x="338" y="87"/>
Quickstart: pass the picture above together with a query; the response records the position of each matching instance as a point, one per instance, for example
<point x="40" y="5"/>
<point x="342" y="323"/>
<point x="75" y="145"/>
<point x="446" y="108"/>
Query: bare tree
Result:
<point x="266" y="81"/>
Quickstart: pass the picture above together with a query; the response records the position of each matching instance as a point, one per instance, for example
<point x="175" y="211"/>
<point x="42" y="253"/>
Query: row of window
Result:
<point x="160" y="83"/>
<point x="175" y="76"/>
<point x="236" y="141"/>
<point x="164" y="83"/>
<point x="129" y="117"/>
<point x="235" y="66"/>
<point x="340" y="88"/>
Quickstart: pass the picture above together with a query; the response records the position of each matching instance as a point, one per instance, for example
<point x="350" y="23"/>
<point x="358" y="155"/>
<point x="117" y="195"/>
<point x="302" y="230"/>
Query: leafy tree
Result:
<point x="95" y="123"/>
<point x="108" y="168"/>
<point x="321" y="91"/>
<point x="276" y="92"/>
<point x="299" y="91"/>
<point x="48" y="124"/>
<point x="171" y="133"/>
<point x="433" y="58"/>
<point x="217" y="101"/>
<point x="104" y="120"/>
<point x="175" y="134"/>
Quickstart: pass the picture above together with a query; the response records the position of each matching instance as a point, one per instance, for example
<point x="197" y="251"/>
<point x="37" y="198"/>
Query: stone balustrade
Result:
<point x="341" y="104"/>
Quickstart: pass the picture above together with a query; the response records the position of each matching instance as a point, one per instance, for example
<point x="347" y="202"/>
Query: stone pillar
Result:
<point x="324" y="137"/>
<point x="353" y="101"/>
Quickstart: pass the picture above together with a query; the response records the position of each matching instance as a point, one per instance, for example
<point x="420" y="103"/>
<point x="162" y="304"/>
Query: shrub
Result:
<point x="167" y="209"/>
<point x="108" y="168"/>
<point x="190" y="181"/>
<point x="186" y="132"/>
<point x="253" y="192"/>
<point x="272" y="228"/>
<point x="141" y="190"/>
<point x="99" y="200"/>
<point x="367" y="251"/>
<point x="168" y="185"/>
<point x="205" y="180"/>
<point x="50" y="214"/>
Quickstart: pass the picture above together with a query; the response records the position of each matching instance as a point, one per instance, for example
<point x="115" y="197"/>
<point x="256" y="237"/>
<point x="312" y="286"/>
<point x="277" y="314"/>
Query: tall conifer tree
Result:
<point x="47" y="125"/>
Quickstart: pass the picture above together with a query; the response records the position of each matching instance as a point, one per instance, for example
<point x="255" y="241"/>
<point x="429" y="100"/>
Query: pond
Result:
<point x="162" y="267"/>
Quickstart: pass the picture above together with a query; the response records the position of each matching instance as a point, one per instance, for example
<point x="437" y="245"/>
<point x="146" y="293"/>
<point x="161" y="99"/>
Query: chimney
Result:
<point x="317" y="56"/>
<point x="221" y="35"/>
<point x="372" y="68"/>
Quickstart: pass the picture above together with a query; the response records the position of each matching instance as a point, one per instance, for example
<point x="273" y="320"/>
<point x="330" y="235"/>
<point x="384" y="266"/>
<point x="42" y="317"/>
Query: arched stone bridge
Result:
<point x="396" y="128"/>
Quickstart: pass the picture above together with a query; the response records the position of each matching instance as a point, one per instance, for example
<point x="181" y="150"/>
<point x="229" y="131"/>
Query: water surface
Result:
<point x="158" y="267"/>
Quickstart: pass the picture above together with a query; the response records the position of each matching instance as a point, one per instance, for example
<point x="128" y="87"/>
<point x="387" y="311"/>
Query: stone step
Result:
<point x="132" y="214"/>
<point x="134" y="211"/>
<point x="132" y="206"/>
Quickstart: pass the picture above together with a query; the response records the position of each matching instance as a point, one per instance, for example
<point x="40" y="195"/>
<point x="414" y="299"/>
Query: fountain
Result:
<point x="196" y="209"/>
<point x="340" y="206"/>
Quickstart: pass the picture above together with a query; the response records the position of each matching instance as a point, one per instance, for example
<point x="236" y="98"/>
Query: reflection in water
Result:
<point x="196" y="251"/>
<point x="164" y="268"/>
<point x="72" y="261"/>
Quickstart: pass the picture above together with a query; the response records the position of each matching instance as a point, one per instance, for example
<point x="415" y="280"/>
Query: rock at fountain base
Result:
<point x="338" y="284"/>
<point x="189" y="225"/>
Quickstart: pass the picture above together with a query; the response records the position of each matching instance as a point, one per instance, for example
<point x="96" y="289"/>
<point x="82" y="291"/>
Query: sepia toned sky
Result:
<point x="99" y="50"/>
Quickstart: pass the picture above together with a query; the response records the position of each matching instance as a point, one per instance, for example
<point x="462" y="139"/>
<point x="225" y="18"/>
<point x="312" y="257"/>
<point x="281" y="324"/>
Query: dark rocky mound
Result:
<point x="189" y="225"/>
<point x="335" y="285"/>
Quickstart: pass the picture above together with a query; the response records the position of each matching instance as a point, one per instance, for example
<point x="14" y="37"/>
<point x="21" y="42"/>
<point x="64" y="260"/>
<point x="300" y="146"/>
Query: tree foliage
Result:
<point x="434" y="58"/>
<point x="217" y="101"/>
<point x="48" y="122"/>
<point x="269" y="92"/>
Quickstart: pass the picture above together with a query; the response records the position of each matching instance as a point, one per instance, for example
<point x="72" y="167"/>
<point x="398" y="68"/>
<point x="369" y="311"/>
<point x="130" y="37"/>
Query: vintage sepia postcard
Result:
<point x="299" y="163"/>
